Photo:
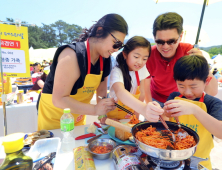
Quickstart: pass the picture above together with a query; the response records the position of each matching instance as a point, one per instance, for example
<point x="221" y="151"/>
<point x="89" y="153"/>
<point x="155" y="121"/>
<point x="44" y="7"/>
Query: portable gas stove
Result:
<point x="132" y="158"/>
<point x="188" y="164"/>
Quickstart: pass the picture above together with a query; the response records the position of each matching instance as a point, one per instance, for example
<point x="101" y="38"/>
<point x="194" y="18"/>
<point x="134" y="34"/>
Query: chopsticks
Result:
<point x="124" y="109"/>
<point x="119" y="106"/>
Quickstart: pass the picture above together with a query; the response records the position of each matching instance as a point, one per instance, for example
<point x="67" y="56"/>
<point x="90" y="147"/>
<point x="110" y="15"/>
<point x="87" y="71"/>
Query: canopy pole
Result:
<point x="3" y="96"/>
<point x="200" y="23"/>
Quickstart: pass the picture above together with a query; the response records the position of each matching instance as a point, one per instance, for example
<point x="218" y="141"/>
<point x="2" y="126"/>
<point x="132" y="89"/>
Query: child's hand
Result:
<point x="175" y="108"/>
<point x="165" y="114"/>
<point x="153" y="110"/>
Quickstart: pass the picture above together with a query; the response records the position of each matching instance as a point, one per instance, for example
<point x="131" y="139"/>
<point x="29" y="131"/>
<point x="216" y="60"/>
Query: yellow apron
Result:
<point x="206" y="141"/>
<point x="49" y="115"/>
<point x="118" y="113"/>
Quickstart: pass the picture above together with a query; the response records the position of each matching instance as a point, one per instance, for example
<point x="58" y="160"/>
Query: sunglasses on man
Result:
<point x="169" y="42"/>
<point x="118" y="44"/>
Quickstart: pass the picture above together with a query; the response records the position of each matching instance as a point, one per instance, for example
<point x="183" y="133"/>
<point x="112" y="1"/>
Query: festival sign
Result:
<point x="15" y="51"/>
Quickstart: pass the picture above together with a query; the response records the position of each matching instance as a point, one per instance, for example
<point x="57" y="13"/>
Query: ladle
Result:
<point x="181" y="132"/>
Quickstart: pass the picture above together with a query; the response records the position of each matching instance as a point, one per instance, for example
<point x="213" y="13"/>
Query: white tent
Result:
<point x="189" y="35"/>
<point x="218" y="59"/>
<point x="38" y="55"/>
<point x="218" y="62"/>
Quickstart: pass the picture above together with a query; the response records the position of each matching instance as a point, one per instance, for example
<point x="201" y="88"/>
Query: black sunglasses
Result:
<point x="118" y="44"/>
<point x="169" y="42"/>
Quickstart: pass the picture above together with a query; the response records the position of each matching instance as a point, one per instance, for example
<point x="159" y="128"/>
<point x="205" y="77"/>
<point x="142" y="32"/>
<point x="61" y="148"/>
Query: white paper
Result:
<point x="13" y="61"/>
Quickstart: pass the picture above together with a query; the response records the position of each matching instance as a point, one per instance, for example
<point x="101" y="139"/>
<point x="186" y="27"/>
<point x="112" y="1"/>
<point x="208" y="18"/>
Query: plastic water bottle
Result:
<point x="67" y="128"/>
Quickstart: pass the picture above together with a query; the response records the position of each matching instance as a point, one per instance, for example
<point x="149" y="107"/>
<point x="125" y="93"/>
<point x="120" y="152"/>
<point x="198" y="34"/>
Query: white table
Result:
<point x="20" y="118"/>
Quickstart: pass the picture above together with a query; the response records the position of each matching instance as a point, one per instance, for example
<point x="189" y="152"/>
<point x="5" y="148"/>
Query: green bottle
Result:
<point x="15" y="158"/>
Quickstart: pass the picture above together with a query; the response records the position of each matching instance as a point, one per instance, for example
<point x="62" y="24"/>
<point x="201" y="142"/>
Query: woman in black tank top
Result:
<point x="77" y="67"/>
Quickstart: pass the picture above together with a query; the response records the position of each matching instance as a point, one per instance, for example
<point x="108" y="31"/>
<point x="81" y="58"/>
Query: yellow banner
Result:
<point x="15" y="51"/>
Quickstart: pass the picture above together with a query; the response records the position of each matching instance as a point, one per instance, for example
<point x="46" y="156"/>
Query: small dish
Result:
<point x="101" y="142"/>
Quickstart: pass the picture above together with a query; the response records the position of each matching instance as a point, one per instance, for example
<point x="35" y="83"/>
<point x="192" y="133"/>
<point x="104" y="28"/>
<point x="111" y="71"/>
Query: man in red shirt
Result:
<point x="167" y="32"/>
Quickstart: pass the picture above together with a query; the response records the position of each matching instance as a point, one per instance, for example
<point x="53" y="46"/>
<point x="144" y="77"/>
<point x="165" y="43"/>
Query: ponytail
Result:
<point x="121" y="63"/>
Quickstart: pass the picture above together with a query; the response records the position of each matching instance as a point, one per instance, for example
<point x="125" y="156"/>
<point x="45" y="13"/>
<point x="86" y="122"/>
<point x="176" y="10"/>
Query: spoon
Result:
<point x="166" y="126"/>
<point x="181" y="132"/>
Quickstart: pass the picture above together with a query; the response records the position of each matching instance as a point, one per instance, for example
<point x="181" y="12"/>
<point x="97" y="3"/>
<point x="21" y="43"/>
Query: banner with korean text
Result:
<point x="15" y="51"/>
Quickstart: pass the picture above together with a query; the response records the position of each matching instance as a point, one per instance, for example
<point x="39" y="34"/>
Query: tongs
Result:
<point x="181" y="132"/>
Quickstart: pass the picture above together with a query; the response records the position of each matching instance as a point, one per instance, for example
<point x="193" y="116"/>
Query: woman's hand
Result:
<point x="104" y="106"/>
<point x="175" y="108"/>
<point x="153" y="110"/>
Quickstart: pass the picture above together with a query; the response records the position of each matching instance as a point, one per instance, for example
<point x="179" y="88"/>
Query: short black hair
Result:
<point x="190" y="68"/>
<point x="36" y="64"/>
<point x="169" y="20"/>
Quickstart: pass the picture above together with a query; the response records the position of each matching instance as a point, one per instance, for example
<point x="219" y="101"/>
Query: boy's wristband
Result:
<point x="101" y="116"/>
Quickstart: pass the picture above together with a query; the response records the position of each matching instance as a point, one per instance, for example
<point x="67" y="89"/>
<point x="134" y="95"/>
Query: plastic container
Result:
<point x="20" y="96"/>
<point x="67" y="128"/>
<point x="43" y="147"/>
<point x="15" y="159"/>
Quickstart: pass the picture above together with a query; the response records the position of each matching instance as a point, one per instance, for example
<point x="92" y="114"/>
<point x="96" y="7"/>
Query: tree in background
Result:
<point x="35" y="40"/>
<point x="49" y="35"/>
<point x="61" y="36"/>
<point x="66" y="32"/>
<point x="214" y="50"/>
<point x="73" y="31"/>
<point x="53" y="35"/>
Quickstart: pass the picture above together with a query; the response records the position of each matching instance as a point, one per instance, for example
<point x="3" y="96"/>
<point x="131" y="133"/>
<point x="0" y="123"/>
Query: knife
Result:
<point x="85" y="136"/>
<point x="99" y="127"/>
